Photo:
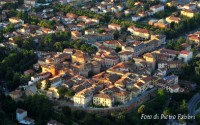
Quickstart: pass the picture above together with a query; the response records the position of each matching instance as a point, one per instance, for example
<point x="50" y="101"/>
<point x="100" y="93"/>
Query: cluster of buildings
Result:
<point x="119" y="72"/>
<point x="106" y="7"/>
<point x="187" y="10"/>
<point x="109" y="77"/>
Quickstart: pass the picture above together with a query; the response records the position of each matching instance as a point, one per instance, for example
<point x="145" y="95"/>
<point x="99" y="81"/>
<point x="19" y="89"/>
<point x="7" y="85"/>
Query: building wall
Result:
<point x="21" y="116"/>
<point x="82" y="101"/>
<point x="127" y="108"/>
<point x="190" y="15"/>
<point x="102" y="101"/>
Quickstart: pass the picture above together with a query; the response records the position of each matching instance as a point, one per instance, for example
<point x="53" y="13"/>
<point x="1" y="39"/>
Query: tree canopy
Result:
<point x="39" y="107"/>
<point x="13" y="66"/>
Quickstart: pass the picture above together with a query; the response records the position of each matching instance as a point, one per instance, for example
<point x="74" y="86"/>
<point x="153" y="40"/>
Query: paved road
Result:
<point x="192" y="103"/>
<point x="197" y="111"/>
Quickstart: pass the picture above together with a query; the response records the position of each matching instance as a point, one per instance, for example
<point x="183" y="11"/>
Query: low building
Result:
<point x="171" y="80"/>
<point x="111" y="60"/>
<point x="139" y="32"/>
<point x="185" y="56"/>
<point x="16" y="94"/>
<point x="162" y="23"/>
<point x="16" y="21"/>
<point x="30" y="3"/>
<point x="31" y="90"/>
<point x="195" y="37"/>
<point x="71" y="15"/>
<point x="171" y="65"/>
<point x="76" y="35"/>
<point x="56" y="81"/>
<point x="136" y="18"/>
<point x="157" y="8"/>
<point x="103" y="100"/>
<point x="122" y="97"/>
<point x="79" y="56"/>
<point x="190" y="7"/>
<point x="186" y="46"/>
<point x="82" y="99"/>
<point x="114" y="27"/>
<point x="173" y="88"/>
<point x="29" y="72"/>
<point x="171" y="19"/>
<point x="21" y="116"/>
<point x="187" y="13"/>
<point x="113" y="44"/>
<point x="141" y="86"/>
<point x="125" y="55"/>
<point x="52" y="93"/>
<point x="160" y="37"/>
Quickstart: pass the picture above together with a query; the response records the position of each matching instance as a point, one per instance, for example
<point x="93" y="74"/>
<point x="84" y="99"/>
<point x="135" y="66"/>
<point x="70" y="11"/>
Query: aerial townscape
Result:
<point x="99" y="62"/>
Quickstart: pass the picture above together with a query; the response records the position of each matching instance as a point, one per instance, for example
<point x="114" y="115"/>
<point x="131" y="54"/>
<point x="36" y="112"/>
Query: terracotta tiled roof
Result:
<point x="174" y="18"/>
<point x="169" y="51"/>
<point x="105" y="96"/>
<point x="185" y="52"/>
<point x="71" y="15"/>
<point x="188" y="11"/>
<point x="175" y="86"/>
<point x="140" y="84"/>
<point x="156" y="6"/>
<point x="115" y="25"/>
